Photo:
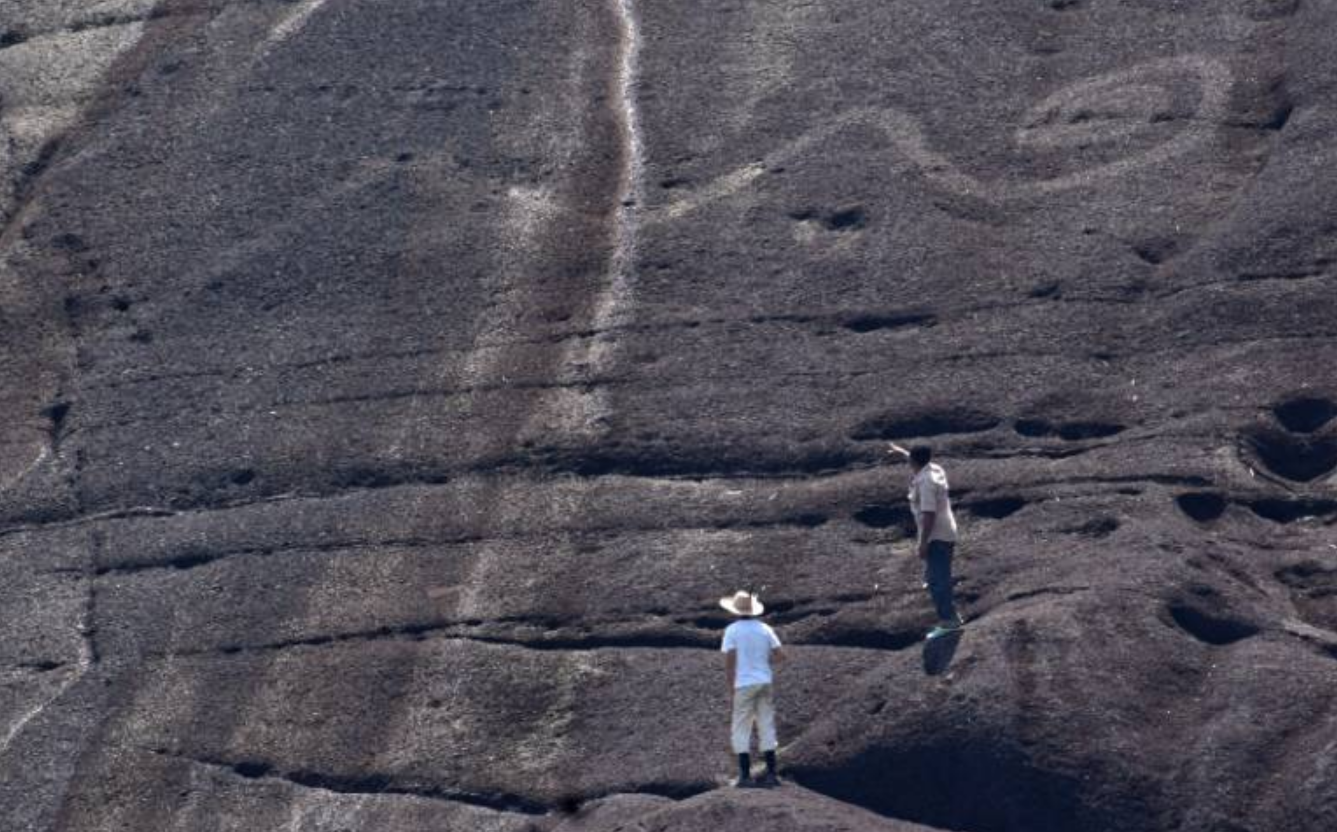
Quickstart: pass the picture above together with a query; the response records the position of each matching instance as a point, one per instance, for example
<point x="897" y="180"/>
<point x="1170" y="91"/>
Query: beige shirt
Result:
<point x="928" y="492"/>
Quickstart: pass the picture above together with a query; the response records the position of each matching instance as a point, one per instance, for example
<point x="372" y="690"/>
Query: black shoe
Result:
<point x="769" y="780"/>
<point x="744" y="783"/>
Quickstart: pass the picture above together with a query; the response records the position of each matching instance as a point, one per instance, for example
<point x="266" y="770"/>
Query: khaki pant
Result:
<point x="751" y="704"/>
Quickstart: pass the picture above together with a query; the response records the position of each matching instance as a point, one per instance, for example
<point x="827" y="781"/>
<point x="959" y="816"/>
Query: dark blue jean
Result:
<point x="938" y="576"/>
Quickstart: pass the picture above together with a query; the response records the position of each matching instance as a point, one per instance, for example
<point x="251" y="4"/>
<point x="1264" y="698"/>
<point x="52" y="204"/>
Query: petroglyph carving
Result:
<point x="1159" y="110"/>
<point x="583" y="412"/>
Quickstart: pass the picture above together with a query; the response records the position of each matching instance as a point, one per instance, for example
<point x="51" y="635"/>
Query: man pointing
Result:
<point x="936" y="540"/>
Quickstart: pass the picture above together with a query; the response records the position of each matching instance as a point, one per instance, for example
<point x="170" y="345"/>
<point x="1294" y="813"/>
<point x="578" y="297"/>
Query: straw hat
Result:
<point x="743" y="603"/>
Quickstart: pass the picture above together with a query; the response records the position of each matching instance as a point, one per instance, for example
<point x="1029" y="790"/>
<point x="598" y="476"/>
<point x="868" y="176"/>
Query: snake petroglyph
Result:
<point x="1109" y="108"/>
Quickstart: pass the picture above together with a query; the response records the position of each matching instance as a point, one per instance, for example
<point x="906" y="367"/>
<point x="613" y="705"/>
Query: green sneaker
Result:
<point x="943" y="629"/>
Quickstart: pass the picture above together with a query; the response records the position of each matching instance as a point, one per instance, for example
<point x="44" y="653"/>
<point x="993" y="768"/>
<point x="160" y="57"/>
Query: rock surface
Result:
<point x="389" y="389"/>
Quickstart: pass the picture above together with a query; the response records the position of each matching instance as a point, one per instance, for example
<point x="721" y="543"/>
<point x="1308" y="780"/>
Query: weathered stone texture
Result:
<point x="390" y="388"/>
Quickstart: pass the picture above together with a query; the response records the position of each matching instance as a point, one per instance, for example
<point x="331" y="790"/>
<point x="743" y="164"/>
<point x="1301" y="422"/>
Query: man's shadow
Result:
<point x="938" y="653"/>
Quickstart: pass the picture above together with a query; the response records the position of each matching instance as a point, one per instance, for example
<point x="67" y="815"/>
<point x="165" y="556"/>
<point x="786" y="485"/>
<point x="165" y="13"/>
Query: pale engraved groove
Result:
<point x="80" y="669"/>
<point x="293" y="22"/>
<point x="582" y="413"/>
<point x="1213" y="80"/>
<point x="42" y="456"/>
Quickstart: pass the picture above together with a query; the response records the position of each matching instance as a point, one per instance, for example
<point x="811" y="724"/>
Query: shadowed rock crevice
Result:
<point x="557" y="635"/>
<point x="1299" y="458"/>
<point x="694" y="463"/>
<point x="886" y="516"/>
<point x="1291" y="511"/>
<point x="931" y="423"/>
<point x="865" y="638"/>
<point x="996" y="508"/>
<point x="873" y="322"/>
<point x="1216" y="627"/>
<point x="363" y="784"/>
<point x="1010" y="789"/>
<point x="1313" y="588"/>
<point x="1305" y="414"/>
<point x="192" y="556"/>
<point x="1202" y="506"/>
<point x="56" y="413"/>
<point x="1067" y="431"/>
<point x="847" y="219"/>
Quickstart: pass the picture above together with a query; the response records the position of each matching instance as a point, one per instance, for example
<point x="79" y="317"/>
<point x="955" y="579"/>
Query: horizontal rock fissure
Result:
<point x="458" y="632"/>
<point x="1046" y="591"/>
<point x="701" y="465"/>
<point x="1182" y="349"/>
<point x="387" y="396"/>
<point x="938" y="423"/>
<point x="42" y="667"/>
<point x="196" y="559"/>
<point x="449" y="392"/>
<point x="890" y="640"/>
<point x="1290" y="511"/>
<point x="1247" y="278"/>
<point x="847" y="320"/>
<point x="582" y="643"/>
<point x="367" y="784"/>
<point x="77" y="519"/>
<point x="707" y="627"/>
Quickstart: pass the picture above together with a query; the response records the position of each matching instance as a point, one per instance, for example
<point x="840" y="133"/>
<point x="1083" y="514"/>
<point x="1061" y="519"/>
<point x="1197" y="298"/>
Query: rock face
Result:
<point x="390" y="389"/>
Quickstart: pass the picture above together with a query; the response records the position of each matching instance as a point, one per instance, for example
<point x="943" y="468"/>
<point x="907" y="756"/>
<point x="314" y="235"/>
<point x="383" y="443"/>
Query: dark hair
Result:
<point x="920" y="455"/>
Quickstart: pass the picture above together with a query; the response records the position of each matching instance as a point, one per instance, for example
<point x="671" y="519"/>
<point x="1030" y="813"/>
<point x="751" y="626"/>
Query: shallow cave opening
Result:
<point x="1289" y="511"/>
<point x="1201" y="506"/>
<point x="1216" y="629"/>
<point x="849" y="219"/>
<point x="1297" y="458"/>
<point x="850" y="635"/>
<point x="1067" y="431"/>
<point x="996" y="508"/>
<point x="1088" y="430"/>
<point x="885" y="517"/>
<point x="1306" y="414"/>
<point x="1008" y="789"/>
<point x="1035" y="428"/>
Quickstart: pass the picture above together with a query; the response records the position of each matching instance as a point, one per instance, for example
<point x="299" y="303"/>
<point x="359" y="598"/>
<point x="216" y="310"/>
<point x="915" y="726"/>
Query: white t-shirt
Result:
<point x="928" y="492"/>
<point x="753" y="642"/>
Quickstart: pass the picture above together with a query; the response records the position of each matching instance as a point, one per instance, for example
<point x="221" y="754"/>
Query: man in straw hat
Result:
<point x="749" y="649"/>
<point x="932" y="508"/>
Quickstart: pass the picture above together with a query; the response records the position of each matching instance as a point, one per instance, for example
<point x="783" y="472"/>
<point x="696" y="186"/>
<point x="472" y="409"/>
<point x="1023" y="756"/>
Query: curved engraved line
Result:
<point x="32" y="466"/>
<point x="85" y="664"/>
<point x="1214" y="80"/>
<point x="1213" y="77"/>
<point x="292" y="22"/>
